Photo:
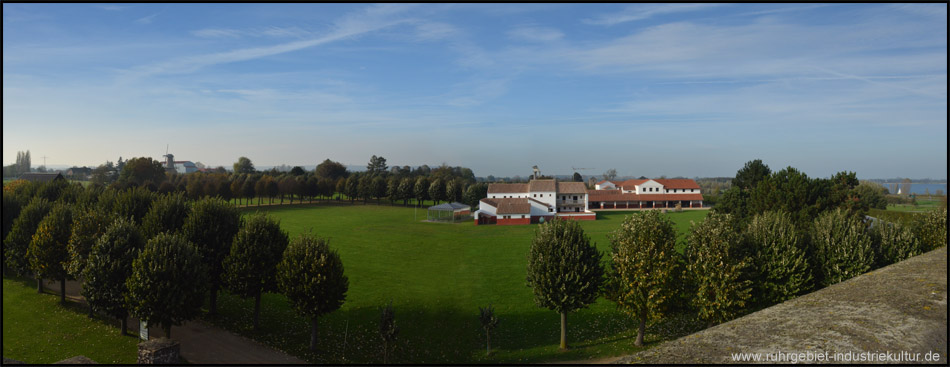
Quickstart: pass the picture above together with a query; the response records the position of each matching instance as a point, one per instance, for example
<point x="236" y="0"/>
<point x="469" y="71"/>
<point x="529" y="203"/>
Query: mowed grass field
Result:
<point x="38" y="330"/>
<point x="437" y="275"/>
<point x="924" y="204"/>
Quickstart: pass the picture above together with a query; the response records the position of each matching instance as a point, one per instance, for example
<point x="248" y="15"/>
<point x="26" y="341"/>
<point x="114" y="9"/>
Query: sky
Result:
<point x="692" y="90"/>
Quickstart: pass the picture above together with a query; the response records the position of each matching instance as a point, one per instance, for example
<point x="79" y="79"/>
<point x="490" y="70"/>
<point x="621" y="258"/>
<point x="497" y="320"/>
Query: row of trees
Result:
<point x="728" y="267"/>
<point x="158" y="256"/>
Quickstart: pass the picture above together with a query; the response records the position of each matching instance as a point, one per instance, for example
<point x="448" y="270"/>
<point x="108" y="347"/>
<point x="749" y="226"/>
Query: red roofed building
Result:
<point x="508" y="204"/>
<point x="647" y="193"/>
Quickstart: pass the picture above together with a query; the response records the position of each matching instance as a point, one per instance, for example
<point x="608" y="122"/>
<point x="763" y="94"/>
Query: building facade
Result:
<point x="646" y="193"/>
<point x="537" y="200"/>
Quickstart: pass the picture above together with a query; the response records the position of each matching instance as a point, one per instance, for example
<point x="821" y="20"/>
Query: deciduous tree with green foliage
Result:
<point x="717" y="268"/>
<point x="141" y="170"/>
<point x="17" y="242"/>
<point x="311" y="276"/>
<point x="109" y="266"/>
<point x="166" y="214"/>
<point x="779" y="258"/>
<point x="211" y="227"/>
<point x="251" y="267"/>
<point x="88" y="225"/>
<point x="12" y="205"/>
<point x="421" y="190"/>
<point x="564" y="269"/>
<point x="842" y="245"/>
<point x="168" y="282"/>
<point x="642" y="272"/>
<point x="244" y="165"/>
<point x="330" y="170"/>
<point x="931" y="229"/>
<point x="132" y="203"/>
<point x="437" y="190"/>
<point x="893" y="242"/>
<point x="47" y="251"/>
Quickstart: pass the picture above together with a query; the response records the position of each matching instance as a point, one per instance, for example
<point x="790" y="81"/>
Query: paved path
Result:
<point x="898" y="308"/>
<point x="201" y="343"/>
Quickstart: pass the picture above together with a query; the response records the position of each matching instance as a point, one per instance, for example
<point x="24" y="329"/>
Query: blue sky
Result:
<point x="649" y="89"/>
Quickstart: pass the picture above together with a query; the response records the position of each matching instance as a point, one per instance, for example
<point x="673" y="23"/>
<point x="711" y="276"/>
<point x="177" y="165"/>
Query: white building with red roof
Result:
<point x="522" y="203"/>
<point x="646" y="193"/>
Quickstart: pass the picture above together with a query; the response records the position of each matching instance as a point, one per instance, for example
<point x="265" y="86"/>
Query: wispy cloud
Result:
<point x="370" y="19"/>
<point x="147" y="19"/>
<point x="217" y="33"/>
<point x="277" y="32"/>
<point x="479" y="91"/>
<point x="111" y="7"/>
<point x="645" y="11"/>
<point x="535" y="34"/>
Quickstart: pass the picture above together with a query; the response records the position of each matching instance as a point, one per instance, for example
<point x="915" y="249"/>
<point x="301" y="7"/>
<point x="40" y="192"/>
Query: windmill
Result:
<point x="169" y="160"/>
<point x="537" y="172"/>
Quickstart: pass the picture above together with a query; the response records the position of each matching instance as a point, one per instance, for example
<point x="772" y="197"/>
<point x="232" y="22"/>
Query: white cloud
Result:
<point x="217" y="33"/>
<point x="146" y="19"/>
<point x="645" y="11"/>
<point x="433" y="31"/>
<point x="535" y="34"/>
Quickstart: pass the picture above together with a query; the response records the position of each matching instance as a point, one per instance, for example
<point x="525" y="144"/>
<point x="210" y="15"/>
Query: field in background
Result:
<point x="437" y="275"/>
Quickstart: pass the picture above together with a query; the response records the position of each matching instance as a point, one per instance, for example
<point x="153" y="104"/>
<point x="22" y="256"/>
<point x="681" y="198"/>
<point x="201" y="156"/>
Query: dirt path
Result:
<point x="201" y="343"/>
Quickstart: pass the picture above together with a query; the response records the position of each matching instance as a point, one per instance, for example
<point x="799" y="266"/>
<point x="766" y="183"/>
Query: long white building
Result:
<point x="509" y="204"/>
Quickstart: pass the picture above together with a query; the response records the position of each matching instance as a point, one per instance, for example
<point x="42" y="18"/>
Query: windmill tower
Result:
<point x="537" y="172"/>
<point x="169" y="160"/>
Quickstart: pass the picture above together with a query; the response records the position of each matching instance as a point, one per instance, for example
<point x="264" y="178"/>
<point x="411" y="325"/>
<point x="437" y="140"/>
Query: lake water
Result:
<point x="921" y="188"/>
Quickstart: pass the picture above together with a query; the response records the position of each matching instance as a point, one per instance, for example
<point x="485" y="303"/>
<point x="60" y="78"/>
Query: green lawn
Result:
<point x="924" y="204"/>
<point x="437" y="276"/>
<point x="38" y="330"/>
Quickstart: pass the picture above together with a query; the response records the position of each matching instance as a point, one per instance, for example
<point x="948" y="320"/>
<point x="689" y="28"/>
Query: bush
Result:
<point x="842" y="245"/>
<point x="779" y="258"/>
<point x="168" y="282"/>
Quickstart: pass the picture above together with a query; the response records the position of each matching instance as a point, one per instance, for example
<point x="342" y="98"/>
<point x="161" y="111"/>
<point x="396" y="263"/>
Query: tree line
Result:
<point x="792" y="236"/>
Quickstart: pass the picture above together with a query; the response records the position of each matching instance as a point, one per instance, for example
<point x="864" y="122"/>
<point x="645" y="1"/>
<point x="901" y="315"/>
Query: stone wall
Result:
<point x="159" y="351"/>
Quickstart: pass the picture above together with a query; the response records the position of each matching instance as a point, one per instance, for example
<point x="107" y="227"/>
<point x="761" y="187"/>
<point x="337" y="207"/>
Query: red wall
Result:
<point x="513" y="221"/>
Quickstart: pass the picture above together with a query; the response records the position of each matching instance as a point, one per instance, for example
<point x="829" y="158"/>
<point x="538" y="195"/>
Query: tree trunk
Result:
<point x="488" y="346"/>
<point x="125" y="325"/>
<point x="39" y="284"/>
<point x="62" y="290"/>
<point x="563" y="330"/>
<point x="257" y="311"/>
<point x="313" y="334"/>
<point x="643" y="324"/>
<point x="167" y="328"/>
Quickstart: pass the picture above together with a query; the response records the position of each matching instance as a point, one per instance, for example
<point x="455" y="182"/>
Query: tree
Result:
<point x="872" y="195"/>
<point x="392" y="188"/>
<point x="211" y="227"/>
<point x="642" y="272"/>
<point x="610" y="174"/>
<point x="297" y="171"/>
<point x="244" y="165"/>
<point x="437" y="190"/>
<point x="17" y="242"/>
<point x="379" y="187"/>
<point x="167" y="214"/>
<point x="475" y="193"/>
<point x="376" y="165"/>
<point x="250" y="269"/>
<point x="23" y="163"/>
<point x="388" y="329"/>
<point x="352" y="188"/>
<point x="12" y="205"/>
<point x="714" y="261"/>
<point x="47" y="252"/>
<point x="330" y="170"/>
<point x="489" y="322"/>
<point x="421" y="190"/>
<point x="749" y="175"/>
<point x="88" y="226"/>
<point x="365" y="187"/>
<point x="577" y="177"/>
<point x="132" y="203"/>
<point x="139" y="171"/>
<point x="564" y="270"/>
<point x="843" y="248"/>
<point x="931" y="229"/>
<point x="109" y="266"/>
<point x="778" y="256"/>
<point x="893" y="242"/>
<point x="404" y="191"/>
<point x="168" y="282"/>
<point x="311" y="276"/>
